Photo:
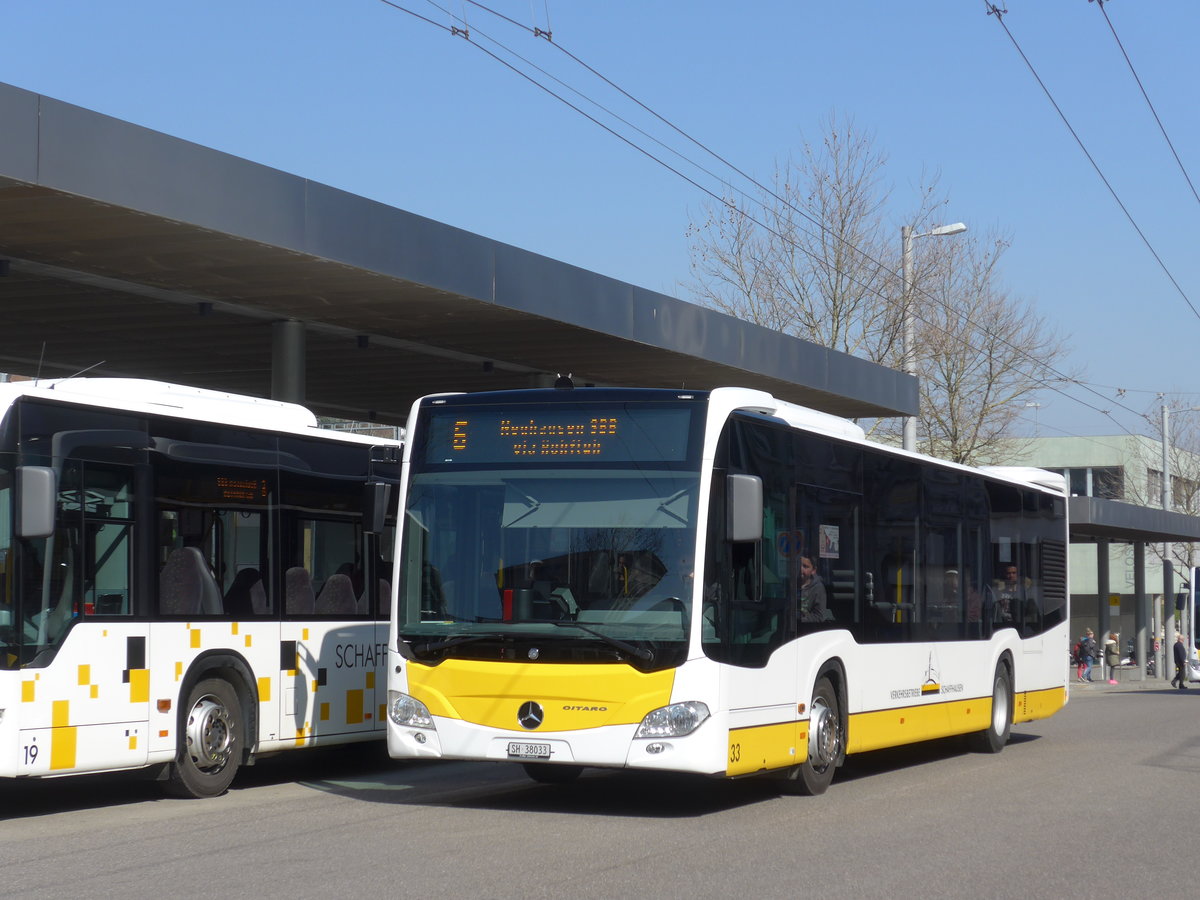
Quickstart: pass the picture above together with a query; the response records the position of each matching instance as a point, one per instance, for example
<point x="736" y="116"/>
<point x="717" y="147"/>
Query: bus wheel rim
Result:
<point x="209" y="734"/>
<point x="822" y="735"/>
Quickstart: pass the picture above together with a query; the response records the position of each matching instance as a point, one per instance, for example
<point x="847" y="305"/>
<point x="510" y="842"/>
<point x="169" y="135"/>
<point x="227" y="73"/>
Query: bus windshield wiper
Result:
<point x="625" y="647"/>
<point x="434" y="646"/>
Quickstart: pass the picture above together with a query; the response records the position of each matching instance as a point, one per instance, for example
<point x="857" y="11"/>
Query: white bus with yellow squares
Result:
<point x="189" y="579"/>
<point x="718" y="582"/>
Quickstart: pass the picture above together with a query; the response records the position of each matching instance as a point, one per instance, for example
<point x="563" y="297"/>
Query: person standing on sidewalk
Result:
<point x="1180" y="663"/>
<point x="1087" y="653"/>
<point x="1112" y="656"/>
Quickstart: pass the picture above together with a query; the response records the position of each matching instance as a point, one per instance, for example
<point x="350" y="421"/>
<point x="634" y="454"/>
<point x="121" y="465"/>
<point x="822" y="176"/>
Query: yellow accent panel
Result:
<point x="248" y="637"/>
<point x="304" y="634"/>
<point x="1031" y="705"/>
<point x="909" y="724"/>
<point x="60" y="714"/>
<point x="315" y="686"/>
<point x="133" y="742"/>
<point x="354" y="707"/>
<point x="62" y="746"/>
<point x="195" y="638"/>
<point x="766" y="747"/>
<point x="489" y="693"/>
<point x="371" y="680"/>
<point x="233" y="628"/>
<point x="324" y="712"/>
<point x="139" y="685"/>
<point x="178" y="670"/>
<point x="264" y="690"/>
<point x="95" y="691"/>
<point x="382" y="711"/>
<point x="27" y="692"/>
<point x="85" y="674"/>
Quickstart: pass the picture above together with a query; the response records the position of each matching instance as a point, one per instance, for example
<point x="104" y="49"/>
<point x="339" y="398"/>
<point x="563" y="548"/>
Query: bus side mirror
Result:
<point x="37" y="490"/>
<point x="375" y="506"/>
<point x="744" y="507"/>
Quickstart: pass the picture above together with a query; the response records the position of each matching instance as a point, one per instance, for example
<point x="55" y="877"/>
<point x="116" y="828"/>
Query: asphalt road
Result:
<point x="1097" y="801"/>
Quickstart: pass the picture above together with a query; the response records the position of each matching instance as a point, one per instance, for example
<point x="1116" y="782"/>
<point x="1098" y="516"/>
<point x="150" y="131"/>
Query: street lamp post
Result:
<point x="910" y="357"/>
<point x="1168" y="587"/>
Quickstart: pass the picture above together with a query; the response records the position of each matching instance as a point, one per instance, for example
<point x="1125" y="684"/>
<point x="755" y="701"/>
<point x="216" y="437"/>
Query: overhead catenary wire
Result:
<point x="965" y="318"/>
<point x="1146" y="96"/>
<point x="993" y="10"/>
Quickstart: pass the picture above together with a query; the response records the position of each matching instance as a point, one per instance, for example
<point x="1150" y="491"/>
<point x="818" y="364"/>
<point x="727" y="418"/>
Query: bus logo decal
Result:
<point x="530" y="715"/>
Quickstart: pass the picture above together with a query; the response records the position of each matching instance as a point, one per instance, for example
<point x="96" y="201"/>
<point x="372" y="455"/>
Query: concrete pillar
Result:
<point x="1164" y="658"/>
<point x="1141" y="604"/>
<point x="1102" y="590"/>
<point x="287" y="361"/>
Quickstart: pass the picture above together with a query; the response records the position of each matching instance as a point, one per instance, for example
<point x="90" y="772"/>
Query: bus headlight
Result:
<point x="675" y="720"/>
<point x="408" y="712"/>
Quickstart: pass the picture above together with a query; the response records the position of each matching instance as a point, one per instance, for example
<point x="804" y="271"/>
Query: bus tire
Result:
<point x="826" y="744"/>
<point x="549" y="773"/>
<point x="210" y="741"/>
<point x="993" y="738"/>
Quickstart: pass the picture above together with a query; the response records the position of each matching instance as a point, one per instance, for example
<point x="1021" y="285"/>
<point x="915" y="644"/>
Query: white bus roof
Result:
<point x="141" y="395"/>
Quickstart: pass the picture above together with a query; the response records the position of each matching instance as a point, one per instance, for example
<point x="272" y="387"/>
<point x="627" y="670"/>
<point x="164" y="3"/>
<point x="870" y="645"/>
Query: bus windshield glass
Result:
<point x="571" y="526"/>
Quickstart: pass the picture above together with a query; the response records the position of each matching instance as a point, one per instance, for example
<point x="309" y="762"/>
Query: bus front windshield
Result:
<point x="581" y="562"/>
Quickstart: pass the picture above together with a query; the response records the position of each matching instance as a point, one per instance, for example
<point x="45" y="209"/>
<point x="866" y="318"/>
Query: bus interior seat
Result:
<point x="246" y="595"/>
<point x="186" y="586"/>
<point x="298" y="591"/>
<point x="337" y="597"/>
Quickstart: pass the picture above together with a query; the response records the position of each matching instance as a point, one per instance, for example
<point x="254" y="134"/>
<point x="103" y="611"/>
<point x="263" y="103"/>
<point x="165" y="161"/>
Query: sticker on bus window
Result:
<point x="829" y="542"/>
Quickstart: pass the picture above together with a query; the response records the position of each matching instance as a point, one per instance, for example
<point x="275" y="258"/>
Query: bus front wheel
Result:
<point x="993" y="738"/>
<point x="825" y="744"/>
<point x="210" y="741"/>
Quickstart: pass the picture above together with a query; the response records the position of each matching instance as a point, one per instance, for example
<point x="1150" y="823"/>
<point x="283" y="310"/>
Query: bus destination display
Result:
<point x="586" y="433"/>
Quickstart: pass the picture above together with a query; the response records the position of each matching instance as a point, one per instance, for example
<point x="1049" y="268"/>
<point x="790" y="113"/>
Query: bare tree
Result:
<point x="811" y="255"/>
<point x="980" y="353"/>
<point x="816" y="257"/>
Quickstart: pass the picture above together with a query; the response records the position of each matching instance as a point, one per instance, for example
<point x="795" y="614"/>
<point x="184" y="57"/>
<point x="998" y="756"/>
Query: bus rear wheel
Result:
<point x="210" y="741"/>
<point x="824" y="748"/>
<point x="993" y="738"/>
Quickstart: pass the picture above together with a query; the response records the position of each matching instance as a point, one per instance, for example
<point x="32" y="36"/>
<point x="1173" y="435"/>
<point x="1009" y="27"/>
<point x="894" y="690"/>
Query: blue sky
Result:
<point x="362" y="96"/>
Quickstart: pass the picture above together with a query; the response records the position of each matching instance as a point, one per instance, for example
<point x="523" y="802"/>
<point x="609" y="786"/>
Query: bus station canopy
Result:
<point x="1094" y="518"/>
<point x="124" y="251"/>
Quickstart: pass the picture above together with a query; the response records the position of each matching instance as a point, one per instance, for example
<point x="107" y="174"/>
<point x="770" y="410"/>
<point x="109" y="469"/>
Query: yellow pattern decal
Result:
<point x="325" y="712"/>
<point x="85" y="674"/>
<point x="354" y="707"/>
<point x="195" y="632"/>
<point x="139" y="685"/>
<point x="63" y="737"/>
<point x="264" y="690"/>
<point x="27" y="692"/>
<point x="573" y="696"/>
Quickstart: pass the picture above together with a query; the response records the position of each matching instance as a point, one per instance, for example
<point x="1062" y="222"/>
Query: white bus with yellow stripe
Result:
<point x="711" y="582"/>
<point x="189" y="579"/>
